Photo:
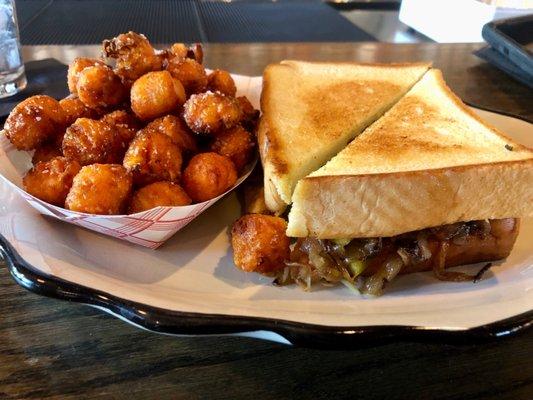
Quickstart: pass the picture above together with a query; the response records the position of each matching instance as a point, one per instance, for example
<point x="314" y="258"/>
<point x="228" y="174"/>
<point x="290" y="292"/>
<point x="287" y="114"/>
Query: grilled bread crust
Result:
<point x="310" y="111"/>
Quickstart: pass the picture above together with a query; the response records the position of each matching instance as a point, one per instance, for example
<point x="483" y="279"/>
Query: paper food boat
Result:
<point x="148" y="228"/>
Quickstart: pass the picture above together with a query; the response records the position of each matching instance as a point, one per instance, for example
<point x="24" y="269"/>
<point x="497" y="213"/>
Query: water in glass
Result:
<point x="12" y="78"/>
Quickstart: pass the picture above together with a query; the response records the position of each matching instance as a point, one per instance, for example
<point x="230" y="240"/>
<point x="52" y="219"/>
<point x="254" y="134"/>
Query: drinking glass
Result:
<point x="12" y="77"/>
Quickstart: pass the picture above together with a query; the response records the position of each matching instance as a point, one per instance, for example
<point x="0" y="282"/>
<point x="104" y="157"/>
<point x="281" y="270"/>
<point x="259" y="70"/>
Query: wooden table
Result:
<point x="55" y="350"/>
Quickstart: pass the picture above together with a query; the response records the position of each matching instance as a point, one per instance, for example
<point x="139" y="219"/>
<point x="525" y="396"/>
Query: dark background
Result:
<point x="166" y="21"/>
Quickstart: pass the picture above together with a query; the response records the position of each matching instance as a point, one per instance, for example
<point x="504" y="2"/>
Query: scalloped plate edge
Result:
<point x="301" y="334"/>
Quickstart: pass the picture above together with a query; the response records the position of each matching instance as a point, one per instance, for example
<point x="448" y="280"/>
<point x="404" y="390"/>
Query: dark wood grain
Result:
<point x="56" y="350"/>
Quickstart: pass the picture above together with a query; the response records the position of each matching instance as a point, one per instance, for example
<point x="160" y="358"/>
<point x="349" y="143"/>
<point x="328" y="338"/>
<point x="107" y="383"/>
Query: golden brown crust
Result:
<point x="151" y="157"/>
<point x="45" y="153"/>
<point x="210" y="112"/>
<point x="74" y="69"/>
<point x="177" y="130"/>
<point x="134" y="56"/>
<point x="249" y="114"/>
<point x="272" y="199"/>
<point x="158" y="194"/>
<point x="190" y="73"/>
<point x="269" y="149"/>
<point x="208" y="175"/>
<point x="235" y="143"/>
<point x="310" y="111"/>
<point x="98" y="87"/>
<point x="221" y="81"/>
<point x="467" y="110"/>
<point x="100" y="189"/>
<point x="92" y="141"/>
<point x="267" y="135"/>
<point x="34" y="121"/>
<point x="51" y="180"/>
<point x="156" y="94"/>
<point x="259" y="243"/>
<point x="125" y="124"/>
<point x="74" y="109"/>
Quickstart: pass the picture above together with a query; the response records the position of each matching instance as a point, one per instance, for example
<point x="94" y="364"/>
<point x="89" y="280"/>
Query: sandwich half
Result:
<point x="427" y="186"/>
<point x="310" y="111"/>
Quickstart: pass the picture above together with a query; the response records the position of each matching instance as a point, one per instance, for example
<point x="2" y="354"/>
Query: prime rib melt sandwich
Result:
<point x="384" y="171"/>
<point x="427" y="186"/>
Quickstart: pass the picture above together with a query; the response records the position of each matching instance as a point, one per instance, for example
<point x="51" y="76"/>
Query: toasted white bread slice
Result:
<point x="310" y="111"/>
<point x="427" y="162"/>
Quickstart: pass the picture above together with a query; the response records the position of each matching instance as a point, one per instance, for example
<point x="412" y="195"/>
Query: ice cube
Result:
<point x="9" y="55"/>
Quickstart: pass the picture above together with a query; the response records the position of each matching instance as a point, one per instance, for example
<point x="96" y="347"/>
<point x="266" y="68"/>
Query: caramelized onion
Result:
<point x="332" y="261"/>
<point x="439" y="267"/>
<point x="404" y="255"/>
<point x="481" y="272"/>
<point x="458" y="233"/>
<point x="414" y="251"/>
<point x="386" y="273"/>
<point x="310" y="263"/>
<point x="425" y="252"/>
<point x="361" y="249"/>
<point x="300" y="273"/>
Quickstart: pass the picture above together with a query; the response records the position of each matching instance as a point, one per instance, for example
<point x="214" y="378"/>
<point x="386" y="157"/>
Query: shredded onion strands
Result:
<point x="331" y="262"/>
<point x="449" y="276"/>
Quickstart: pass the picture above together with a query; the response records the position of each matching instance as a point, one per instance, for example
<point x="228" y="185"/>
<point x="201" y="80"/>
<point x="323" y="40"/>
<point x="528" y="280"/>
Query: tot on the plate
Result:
<point x="249" y="114"/>
<point x="190" y="73"/>
<point x="151" y="157"/>
<point x="45" y="153"/>
<point x="74" y="109"/>
<point x="221" y="81"/>
<point x="208" y="175"/>
<point x="176" y="129"/>
<point x="180" y="51"/>
<point x="98" y="87"/>
<point x="196" y="52"/>
<point x="34" y="121"/>
<point x="125" y="123"/>
<point x="74" y="69"/>
<point x="51" y="180"/>
<point x="259" y="243"/>
<point x="235" y="143"/>
<point x="134" y="56"/>
<point x="91" y="141"/>
<point x="156" y="94"/>
<point x="210" y="112"/>
<point x="158" y="194"/>
<point x="100" y="189"/>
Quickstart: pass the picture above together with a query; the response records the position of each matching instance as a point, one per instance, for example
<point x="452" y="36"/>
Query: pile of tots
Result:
<point x="141" y="128"/>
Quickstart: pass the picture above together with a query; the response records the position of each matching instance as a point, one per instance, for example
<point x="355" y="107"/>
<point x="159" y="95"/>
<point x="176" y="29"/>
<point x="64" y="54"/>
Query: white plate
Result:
<point x="190" y="285"/>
